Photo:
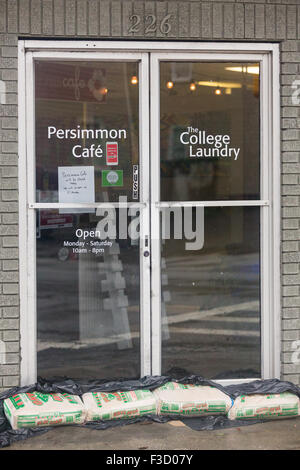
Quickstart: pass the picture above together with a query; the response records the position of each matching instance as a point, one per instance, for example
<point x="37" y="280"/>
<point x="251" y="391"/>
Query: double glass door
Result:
<point x="145" y="183"/>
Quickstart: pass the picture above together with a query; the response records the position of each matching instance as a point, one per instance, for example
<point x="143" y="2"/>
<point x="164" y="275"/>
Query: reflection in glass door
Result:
<point x="208" y="191"/>
<point x="90" y="271"/>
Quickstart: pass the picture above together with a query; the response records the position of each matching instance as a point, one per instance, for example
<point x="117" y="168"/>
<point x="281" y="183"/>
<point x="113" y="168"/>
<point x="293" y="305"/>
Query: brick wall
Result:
<point x="290" y="190"/>
<point x="263" y="20"/>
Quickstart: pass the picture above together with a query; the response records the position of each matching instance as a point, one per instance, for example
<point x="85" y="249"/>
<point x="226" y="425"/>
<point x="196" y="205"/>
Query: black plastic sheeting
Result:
<point x="79" y="387"/>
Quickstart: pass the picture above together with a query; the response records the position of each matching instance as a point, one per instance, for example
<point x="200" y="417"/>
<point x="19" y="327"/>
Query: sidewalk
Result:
<point x="174" y="435"/>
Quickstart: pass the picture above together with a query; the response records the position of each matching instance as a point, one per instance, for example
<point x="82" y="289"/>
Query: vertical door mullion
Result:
<point x="275" y="214"/>
<point x="23" y="219"/>
<point x="31" y="320"/>
<point x="145" y="299"/>
<point x="265" y="236"/>
<point x="155" y="214"/>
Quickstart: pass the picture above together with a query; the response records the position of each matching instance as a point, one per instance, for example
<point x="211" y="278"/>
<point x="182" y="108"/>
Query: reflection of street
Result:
<point x="219" y="341"/>
<point x="214" y="315"/>
<point x="59" y="350"/>
<point x="207" y="277"/>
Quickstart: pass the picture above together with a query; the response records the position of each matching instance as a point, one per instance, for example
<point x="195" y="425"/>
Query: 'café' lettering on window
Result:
<point x="93" y="150"/>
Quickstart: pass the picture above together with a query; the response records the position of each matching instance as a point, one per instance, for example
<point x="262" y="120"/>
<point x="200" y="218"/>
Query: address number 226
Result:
<point x="151" y="24"/>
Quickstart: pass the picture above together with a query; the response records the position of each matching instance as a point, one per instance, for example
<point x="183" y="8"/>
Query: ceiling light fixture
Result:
<point x="220" y="84"/>
<point x="193" y="86"/>
<point x="253" y="69"/>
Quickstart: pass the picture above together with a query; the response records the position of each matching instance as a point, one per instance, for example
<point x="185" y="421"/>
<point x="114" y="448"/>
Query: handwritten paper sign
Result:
<point x="76" y="184"/>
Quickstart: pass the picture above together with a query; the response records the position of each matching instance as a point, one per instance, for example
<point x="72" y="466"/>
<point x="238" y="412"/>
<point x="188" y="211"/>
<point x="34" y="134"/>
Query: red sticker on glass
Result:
<point x="112" y="157"/>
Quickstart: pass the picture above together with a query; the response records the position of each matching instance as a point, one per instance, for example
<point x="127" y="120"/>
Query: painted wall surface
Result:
<point x="240" y="20"/>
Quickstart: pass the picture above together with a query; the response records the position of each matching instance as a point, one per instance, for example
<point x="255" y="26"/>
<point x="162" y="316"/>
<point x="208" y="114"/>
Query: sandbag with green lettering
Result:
<point x="191" y="400"/>
<point x="118" y="405"/>
<point x="43" y="409"/>
<point x="280" y="405"/>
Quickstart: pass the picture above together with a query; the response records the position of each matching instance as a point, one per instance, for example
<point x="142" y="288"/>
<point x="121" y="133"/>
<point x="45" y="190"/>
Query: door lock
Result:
<point x="146" y="252"/>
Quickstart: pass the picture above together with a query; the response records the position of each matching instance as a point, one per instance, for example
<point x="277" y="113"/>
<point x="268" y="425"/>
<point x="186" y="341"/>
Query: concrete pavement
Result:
<point x="276" y="435"/>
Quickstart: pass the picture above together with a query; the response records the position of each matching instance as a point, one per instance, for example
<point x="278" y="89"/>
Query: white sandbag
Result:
<point x="191" y="400"/>
<point x="116" y="405"/>
<point x="43" y="409"/>
<point x="282" y="405"/>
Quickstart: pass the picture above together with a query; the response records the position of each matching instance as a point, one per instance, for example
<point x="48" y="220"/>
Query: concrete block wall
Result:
<point x="241" y="20"/>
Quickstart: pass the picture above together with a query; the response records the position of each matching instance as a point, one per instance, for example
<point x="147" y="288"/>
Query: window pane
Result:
<point x="88" y="299"/>
<point x="87" y="118"/>
<point x="211" y="296"/>
<point x="209" y="131"/>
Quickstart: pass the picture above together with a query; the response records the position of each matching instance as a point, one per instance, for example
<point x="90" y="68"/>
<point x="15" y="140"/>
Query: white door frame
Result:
<point x="268" y="55"/>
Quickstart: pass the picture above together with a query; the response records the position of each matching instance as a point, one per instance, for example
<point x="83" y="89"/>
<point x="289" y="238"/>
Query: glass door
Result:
<point x="209" y="204"/>
<point x="92" y="281"/>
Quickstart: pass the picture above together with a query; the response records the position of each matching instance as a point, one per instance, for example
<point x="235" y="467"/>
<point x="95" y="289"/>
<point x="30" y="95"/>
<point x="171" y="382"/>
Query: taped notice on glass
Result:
<point x="76" y="184"/>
